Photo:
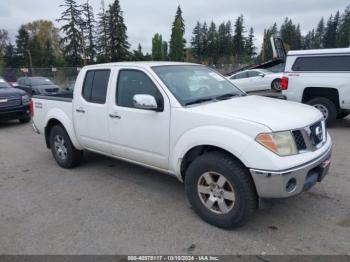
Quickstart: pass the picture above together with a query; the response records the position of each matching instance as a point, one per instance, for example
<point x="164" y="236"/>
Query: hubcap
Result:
<point x="323" y="110"/>
<point x="60" y="147"/>
<point x="216" y="192"/>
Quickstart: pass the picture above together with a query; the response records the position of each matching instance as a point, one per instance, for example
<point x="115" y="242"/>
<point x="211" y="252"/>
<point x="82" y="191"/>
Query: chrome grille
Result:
<point x="310" y="138"/>
<point x="299" y="140"/>
<point x="10" y="101"/>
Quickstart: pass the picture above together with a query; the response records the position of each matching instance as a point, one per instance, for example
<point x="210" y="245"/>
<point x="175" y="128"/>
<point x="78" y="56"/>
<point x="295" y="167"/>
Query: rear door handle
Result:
<point x="115" y="116"/>
<point x="80" y="110"/>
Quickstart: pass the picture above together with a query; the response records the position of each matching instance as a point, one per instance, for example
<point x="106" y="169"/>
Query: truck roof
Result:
<point x="320" y="51"/>
<point x="145" y="64"/>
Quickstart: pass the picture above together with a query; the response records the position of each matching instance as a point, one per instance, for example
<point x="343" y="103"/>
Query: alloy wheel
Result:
<point x="216" y="192"/>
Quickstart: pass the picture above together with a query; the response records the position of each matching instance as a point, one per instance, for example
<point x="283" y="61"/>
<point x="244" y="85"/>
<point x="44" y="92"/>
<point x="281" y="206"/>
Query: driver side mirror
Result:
<point x="146" y="102"/>
<point x="262" y="75"/>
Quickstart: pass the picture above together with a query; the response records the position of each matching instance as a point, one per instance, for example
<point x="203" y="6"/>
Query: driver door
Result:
<point x="138" y="134"/>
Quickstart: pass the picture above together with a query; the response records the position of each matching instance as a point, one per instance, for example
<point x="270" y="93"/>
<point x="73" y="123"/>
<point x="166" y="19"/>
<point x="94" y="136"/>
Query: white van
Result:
<point x="320" y="78"/>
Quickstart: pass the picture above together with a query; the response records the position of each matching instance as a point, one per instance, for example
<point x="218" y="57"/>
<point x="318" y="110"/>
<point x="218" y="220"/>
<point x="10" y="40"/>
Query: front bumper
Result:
<point x="20" y="112"/>
<point x="291" y="182"/>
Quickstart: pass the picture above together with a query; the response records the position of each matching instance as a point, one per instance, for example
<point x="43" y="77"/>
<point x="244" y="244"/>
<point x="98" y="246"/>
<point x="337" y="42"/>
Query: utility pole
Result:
<point x="30" y="62"/>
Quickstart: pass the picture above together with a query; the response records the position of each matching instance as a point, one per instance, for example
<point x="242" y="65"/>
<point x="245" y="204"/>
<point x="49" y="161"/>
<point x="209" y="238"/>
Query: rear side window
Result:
<point x="95" y="86"/>
<point x="322" y="63"/>
<point x="253" y="73"/>
<point x="240" y="76"/>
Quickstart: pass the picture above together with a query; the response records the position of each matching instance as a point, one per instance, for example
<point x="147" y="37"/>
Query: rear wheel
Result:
<point x="220" y="190"/>
<point x="276" y="84"/>
<point x="326" y="107"/>
<point x="64" y="152"/>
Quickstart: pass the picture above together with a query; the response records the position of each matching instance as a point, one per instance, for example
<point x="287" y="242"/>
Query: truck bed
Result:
<point x="56" y="104"/>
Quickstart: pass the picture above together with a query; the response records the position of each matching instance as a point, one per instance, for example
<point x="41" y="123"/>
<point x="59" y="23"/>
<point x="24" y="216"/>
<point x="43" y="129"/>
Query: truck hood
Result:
<point x="10" y="92"/>
<point x="276" y="114"/>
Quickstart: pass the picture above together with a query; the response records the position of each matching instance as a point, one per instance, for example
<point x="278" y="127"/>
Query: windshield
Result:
<point x="41" y="81"/>
<point x="4" y="84"/>
<point x="192" y="84"/>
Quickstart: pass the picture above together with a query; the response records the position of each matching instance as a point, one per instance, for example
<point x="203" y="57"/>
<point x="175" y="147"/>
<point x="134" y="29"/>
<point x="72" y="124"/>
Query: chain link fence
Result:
<point x="61" y="76"/>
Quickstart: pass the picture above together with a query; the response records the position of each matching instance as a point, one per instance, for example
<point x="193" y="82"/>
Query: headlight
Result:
<point x="281" y="143"/>
<point x="25" y="99"/>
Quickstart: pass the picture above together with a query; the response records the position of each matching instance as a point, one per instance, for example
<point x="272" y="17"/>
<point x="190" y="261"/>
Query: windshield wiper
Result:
<point x="199" y="100"/>
<point x="226" y="96"/>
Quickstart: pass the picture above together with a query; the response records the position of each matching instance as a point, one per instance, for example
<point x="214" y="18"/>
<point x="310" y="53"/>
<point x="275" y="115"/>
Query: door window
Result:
<point x="95" y="86"/>
<point x="241" y="75"/>
<point x="134" y="82"/>
<point x="253" y="73"/>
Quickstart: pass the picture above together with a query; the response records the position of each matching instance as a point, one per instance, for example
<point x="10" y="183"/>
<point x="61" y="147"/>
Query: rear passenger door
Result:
<point x="91" y="110"/>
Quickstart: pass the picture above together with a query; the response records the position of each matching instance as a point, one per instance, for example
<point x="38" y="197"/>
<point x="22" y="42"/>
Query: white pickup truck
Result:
<point x="320" y="78"/>
<point x="231" y="150"/>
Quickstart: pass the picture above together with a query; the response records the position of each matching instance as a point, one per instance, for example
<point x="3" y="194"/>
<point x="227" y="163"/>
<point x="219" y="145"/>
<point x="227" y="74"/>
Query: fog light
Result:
<point x="291" y="185"/>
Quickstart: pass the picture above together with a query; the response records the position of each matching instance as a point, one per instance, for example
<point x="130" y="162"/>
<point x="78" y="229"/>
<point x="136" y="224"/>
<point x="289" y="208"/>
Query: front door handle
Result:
<point x="80" y="110"/>
<point x="115" y="116"/>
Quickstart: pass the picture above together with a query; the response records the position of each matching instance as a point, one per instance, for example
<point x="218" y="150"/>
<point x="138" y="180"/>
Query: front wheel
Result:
<point x="64" y="152"/>
<point x="220" y="190"/>
<point x="326" y="107"/>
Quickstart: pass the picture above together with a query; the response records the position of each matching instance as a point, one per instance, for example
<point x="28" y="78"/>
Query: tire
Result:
<point x="65" y="154"/>
<point x="24" y="120"/>
<point x="276" y="85"/>
<point x="241" y="201"/>
<point x="342" y="115"/>
<point x="327" y="108"/>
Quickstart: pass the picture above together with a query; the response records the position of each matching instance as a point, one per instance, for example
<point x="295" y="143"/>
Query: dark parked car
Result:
<point x="37" y="85"/>
<point x="14" y="103"/>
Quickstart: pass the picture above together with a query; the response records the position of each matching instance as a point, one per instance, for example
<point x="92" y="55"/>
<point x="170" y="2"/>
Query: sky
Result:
<point x="144" y="18"/>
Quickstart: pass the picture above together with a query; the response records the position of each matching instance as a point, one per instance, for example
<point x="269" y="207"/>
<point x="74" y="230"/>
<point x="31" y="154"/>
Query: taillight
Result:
<point x="31" y="107"/>
<point x="284" y="83"/>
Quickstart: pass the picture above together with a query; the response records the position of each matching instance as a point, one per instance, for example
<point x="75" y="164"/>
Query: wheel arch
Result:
<point x="196" y="151"/>
<point x="201" y="140"/>
<point x="59" y="118"/>
<point x="326" y="92"/>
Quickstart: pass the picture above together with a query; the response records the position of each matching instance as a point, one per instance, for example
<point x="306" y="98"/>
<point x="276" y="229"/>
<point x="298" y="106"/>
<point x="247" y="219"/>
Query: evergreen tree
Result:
<point x="10" y="59"/>
<point x="213" y="44"/>
<point x="239" y="39"/>
<point x="138" y="54"/>
<point x="344" y="29"/>
<point x="196" y="43"/>
<point x="102" y="34"/>
<point x="298" y="38"/>
<point x="225" y="49"/>
<point x="178" y="16"/>
<point x="319" y="34"/>
<point x="117" y="38"/>
<point x="72" y="30"/>
<point x="177" y="41"/>
<point x="165" y="51"/>
<point x="89" y="22"/>
<point x="204" y="40"/>
<point x="157" y="47"/>
<point x="249" y="44"/>
<point x="22" y="45"/>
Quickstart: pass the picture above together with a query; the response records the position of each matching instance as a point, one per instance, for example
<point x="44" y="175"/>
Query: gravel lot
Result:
<point x="107" y="206"/>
